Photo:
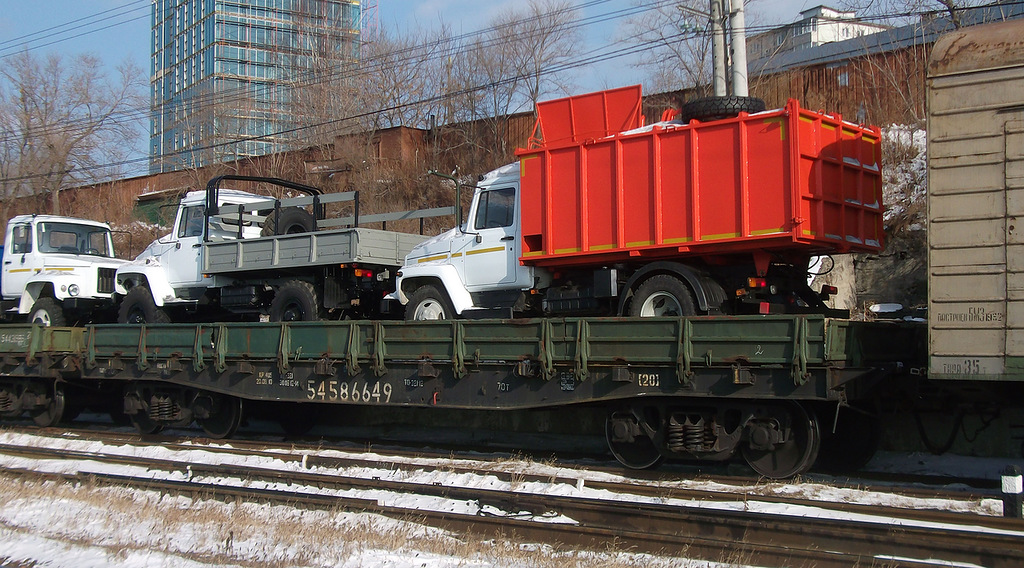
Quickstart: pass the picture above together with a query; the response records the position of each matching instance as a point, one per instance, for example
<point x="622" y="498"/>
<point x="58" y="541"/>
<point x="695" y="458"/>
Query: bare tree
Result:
<point x="322" y="76"/>
<point x="679" y="54"/>
<point x="404" y="79"/>
<point x="524" y="56"/>
<point x="953" y="10"/>
<point x="64" y="125"/>
<point x="543" y="39"/>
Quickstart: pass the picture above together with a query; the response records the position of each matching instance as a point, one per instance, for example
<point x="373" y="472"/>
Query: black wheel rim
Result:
<point x="792" y="457"/>
<point x="225" y="420"/>
<point x="293" y="312"/>
<point x="641" y="453"/>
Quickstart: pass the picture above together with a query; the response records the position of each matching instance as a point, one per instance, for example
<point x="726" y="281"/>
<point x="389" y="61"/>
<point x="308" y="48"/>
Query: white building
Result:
<point x="817" y="26"/>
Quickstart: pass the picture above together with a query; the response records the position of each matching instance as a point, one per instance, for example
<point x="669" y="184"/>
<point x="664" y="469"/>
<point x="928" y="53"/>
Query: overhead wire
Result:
<point x="367" y="68"/>
<point x="240" y="94"/>
<point x="53" y="34"/>
<point x="371" y="66"/>
<point x="589" y="59"/>
<point x="596" y="55"/>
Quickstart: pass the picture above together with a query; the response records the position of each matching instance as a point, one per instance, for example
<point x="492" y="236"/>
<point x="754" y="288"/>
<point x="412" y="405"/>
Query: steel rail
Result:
<point x="660" y="484"/>
<point x="850" y="538"/>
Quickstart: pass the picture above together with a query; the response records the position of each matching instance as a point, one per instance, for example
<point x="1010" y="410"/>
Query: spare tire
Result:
<point x="717" y="108"/>
<point x="292" y="220"/>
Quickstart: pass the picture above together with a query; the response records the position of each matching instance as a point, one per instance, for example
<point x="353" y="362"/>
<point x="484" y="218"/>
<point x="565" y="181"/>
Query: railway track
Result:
<point x="567" y="507"/>
<point x="920" y="486"/>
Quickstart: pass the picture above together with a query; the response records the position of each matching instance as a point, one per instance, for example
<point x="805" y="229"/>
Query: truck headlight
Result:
<point x="73" y="289"/>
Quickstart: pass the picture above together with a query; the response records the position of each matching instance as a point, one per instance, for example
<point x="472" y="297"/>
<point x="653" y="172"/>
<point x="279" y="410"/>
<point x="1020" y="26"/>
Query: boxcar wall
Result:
<point x="976" y="203"/>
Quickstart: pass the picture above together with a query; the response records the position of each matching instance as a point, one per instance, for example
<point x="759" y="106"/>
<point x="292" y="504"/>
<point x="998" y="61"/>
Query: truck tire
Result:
<point x="428" y="303"/>
<point x="138" y="307"/>
<point x="294" y="220"/>
<point x="295" y="300"/>
<point x="662" y="295"/>
<point x="47" y="312"/>
<point x="716" y="108"/>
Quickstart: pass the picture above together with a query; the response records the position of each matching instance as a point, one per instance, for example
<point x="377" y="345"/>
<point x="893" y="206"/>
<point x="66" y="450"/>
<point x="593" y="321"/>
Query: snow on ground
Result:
<point x="59" y="525"/>
<point x="905" y="175"/>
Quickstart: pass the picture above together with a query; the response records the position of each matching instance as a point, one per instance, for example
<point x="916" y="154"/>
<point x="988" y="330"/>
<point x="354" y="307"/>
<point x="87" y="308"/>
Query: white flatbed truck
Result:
<point x="239" y="255"/>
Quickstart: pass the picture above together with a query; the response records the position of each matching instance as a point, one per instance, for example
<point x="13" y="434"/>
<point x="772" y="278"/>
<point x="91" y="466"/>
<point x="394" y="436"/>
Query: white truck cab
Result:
<point x="475" y="267"/>
<point x="170" y="270"/>
<point x="57" y="270"/>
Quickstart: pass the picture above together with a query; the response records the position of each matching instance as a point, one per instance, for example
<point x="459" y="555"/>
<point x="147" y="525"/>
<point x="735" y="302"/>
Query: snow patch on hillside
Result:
<point x="904" y="176"/>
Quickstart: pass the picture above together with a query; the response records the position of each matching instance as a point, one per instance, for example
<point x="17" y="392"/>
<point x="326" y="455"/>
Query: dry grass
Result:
<point x="124" y="524"/>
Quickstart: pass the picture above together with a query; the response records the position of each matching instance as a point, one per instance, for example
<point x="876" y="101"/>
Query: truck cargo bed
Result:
<point x="784" y="180"/>
<point x="342" y="246"/>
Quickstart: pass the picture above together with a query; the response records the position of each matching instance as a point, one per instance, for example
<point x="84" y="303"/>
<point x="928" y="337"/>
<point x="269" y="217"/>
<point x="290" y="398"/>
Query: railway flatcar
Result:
<point x="779" y="391"/>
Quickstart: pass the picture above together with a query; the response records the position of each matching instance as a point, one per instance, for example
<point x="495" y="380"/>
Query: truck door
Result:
<point x="491" y="249"/>
<point x="19" y="260"/>
<point x="184" y="259"/>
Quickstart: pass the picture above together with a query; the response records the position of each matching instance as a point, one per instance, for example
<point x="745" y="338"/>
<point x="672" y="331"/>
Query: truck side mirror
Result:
<point x="479" y="239"/>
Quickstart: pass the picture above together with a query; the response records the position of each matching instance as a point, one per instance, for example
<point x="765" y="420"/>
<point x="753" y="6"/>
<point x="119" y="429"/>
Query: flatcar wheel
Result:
<point x="140" y="418"/>
<point x="224" y="419"/>
<point x="629" y="444"/>
<point x="54" y="411"/>
<point x="784" y="459"/>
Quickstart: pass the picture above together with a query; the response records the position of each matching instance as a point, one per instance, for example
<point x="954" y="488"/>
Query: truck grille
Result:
<point x="105" y="280"/>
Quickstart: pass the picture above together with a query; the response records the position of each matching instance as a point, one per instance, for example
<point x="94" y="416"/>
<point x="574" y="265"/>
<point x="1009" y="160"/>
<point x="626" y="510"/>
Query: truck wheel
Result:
<point x="296" y="300"/>
<point x="138" y="307"/>
<point x="294" y="220"/>
<point x="716" y="108"/>
<point x="428" y="303"/>
<point x="662" y="295"/>
<point x="47" y="312"/>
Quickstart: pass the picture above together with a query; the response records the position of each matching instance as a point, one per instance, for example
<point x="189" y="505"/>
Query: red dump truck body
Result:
<point x="603" y="188"/>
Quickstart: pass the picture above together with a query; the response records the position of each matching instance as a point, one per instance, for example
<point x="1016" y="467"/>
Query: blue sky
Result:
<point x="119" y="30"/>
<point x="116" y="30"/>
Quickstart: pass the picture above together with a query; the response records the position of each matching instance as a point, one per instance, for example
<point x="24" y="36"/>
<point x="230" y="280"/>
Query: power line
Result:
<point x="587" y="60"/>
<point x="367" y="68"/>
<point x="594" y="56"/>
<point x="60" y="32"/>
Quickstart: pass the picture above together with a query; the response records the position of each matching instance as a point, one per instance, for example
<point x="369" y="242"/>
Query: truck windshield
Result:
<point x="74" y="239"/>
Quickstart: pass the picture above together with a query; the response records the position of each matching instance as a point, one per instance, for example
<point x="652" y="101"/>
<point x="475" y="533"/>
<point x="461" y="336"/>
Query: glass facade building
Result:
<point x="225" y="73"/>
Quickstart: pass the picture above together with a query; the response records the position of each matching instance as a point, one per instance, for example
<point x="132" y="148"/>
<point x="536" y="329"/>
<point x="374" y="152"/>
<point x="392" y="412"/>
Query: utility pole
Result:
<point x="718" y="62"/>
<point x="729" y="13"/>
<point x="738" y="43"/>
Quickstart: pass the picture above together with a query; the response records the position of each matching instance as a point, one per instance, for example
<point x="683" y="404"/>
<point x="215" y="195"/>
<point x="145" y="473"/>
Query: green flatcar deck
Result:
<point x="499" y="364"/>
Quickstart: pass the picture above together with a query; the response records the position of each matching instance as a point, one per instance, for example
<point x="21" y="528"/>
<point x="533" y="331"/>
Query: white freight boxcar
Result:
<point x="976" y="203"/>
